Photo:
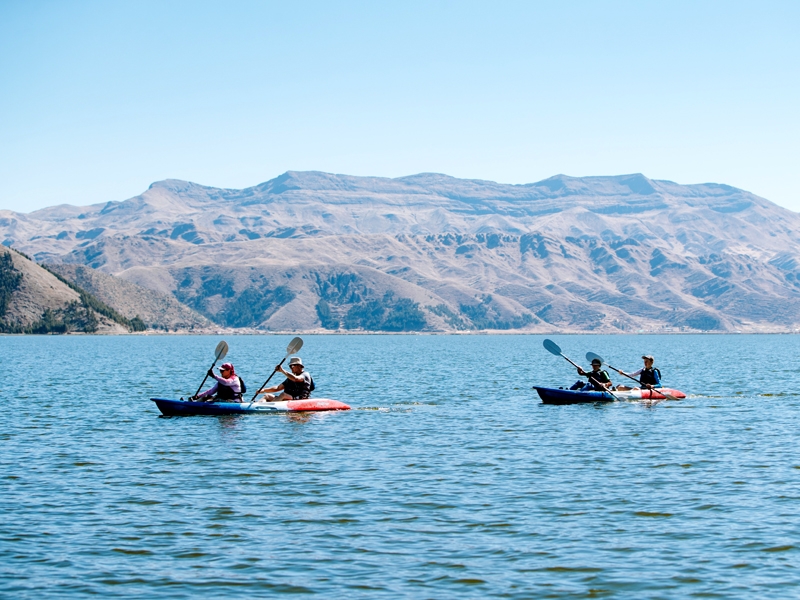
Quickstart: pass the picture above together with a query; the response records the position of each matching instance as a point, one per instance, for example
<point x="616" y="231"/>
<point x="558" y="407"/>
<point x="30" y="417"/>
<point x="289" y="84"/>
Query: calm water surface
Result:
<point x="449" y="480"/>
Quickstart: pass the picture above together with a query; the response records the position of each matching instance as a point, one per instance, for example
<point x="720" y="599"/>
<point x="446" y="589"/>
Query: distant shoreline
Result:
<point x="403" y="333"/>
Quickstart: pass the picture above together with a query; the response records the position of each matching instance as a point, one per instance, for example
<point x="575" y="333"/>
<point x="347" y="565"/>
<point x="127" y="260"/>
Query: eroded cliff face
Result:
<point x="315" y="250"/>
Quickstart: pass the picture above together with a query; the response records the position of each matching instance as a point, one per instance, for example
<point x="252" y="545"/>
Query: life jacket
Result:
<point x="650" y="377"/>
<point x="299" y="390"/>
<point x="226" y="393"/>
<point x="600" y="377"/>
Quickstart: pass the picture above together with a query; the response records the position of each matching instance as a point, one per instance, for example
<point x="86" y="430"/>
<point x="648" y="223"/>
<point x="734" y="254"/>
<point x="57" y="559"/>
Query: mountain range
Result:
<point x="317" y="251"/>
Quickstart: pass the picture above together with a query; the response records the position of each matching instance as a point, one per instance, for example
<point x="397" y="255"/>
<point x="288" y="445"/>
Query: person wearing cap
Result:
<point x="298" y="384"/>
<point x="598" y="379"/>
<point x="649" y="376"/>
<point x="228" y="387"/>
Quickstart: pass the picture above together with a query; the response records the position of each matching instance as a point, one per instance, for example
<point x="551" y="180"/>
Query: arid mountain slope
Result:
<point x="158" y="311"/>
<point x="315" y="250"/>
<point x="33" y="300"/>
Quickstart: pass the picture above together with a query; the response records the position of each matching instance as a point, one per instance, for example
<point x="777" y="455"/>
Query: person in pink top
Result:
<point x="227" y="389"/>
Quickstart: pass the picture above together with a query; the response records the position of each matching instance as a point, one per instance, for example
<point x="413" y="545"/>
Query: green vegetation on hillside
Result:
<point x="10" y="279"/>
<point x="386" y="314"/>
<point x="452" y="319"/>
<point x="371" y="314"/>
<point x="254" y="306"/>
<point x="75" y="316"/>
<point x="251" y="307"/>
<point x="90" y="301"/>
<point x="326" y="317"/>
<point x="484" y="317"/>
<point x="341" y="288"/>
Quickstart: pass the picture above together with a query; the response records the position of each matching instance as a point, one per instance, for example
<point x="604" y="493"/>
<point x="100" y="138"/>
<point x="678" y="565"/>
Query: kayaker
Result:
<point x="649" y="376"/>
<point x="598" y="379"/>
<point x="227" y="389"/>
<point x="298" y="384"/>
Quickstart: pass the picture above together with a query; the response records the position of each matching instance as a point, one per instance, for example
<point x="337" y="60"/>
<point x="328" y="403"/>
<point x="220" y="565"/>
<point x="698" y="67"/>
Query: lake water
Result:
<point x="449" y="479"/>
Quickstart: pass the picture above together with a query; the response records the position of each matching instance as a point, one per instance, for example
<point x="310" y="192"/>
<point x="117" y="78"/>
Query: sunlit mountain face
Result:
<point x="314" y="250"/>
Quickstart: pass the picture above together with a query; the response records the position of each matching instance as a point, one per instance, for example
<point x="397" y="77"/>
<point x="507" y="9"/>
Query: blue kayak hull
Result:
<point x="557" y="396"/>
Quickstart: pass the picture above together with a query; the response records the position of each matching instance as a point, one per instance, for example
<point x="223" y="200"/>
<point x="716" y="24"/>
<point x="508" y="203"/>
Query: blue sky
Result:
<point x="99" y="99"/>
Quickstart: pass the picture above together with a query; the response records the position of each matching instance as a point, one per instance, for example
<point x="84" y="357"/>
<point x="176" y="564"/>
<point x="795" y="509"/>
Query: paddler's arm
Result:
<point x="219" y="378"/>
<point x="289" y="375"/>
<point x="209" y="392"/>
<point x="274" y="388"/>
<point x="635" y="375"/>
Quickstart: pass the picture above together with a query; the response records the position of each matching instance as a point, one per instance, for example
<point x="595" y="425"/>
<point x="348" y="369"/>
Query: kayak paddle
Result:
<point x="553" y="348"/>
<point x="293" y="347"/>
<point x="219" y="354"/>
<point x="591" y="356"/>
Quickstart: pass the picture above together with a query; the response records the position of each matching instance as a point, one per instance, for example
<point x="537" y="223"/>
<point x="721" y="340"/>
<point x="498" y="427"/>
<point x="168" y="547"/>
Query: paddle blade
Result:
<point x="294" y="346"/>
<point x="590" y="356"/>
<point x="551" y="347"/>
<point x="221" y="351"/>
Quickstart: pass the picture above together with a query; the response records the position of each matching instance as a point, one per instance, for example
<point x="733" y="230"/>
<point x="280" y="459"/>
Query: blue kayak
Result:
<point x="175" y="408"/>
<point x="558" y="396"/>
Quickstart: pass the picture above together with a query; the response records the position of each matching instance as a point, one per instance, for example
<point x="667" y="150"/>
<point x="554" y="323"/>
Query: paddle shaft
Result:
<point x="206" y="377"/>
<point x="599" y="384"/>
<point x="570" y="362"/>
<point x="268" y="378"/>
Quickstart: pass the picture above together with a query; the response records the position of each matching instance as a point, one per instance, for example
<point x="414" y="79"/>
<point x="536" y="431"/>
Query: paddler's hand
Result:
<point x="581" y="372"/>
<point x="279" y="369"/>
<point x="210" y="372"/>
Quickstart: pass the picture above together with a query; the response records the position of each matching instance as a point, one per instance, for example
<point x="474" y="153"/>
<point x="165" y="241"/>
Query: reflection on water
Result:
<point x="448" y="479"/>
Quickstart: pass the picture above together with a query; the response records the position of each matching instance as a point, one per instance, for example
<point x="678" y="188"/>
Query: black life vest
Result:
<point x="300" y="390"/>
<point x="648" y="377"/>
<point x="598" y="377"/>
<point x="227" y="394"/>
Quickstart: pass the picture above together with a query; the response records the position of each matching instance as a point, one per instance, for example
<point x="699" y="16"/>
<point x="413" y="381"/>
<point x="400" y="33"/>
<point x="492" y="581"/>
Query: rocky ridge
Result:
<point x="314" y="250"/>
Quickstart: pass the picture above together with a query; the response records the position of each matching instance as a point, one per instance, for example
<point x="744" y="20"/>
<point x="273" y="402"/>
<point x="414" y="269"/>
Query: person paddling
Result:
<point x="227" y="389"/>
<point x="298" y="384"/>
<point x="598" y="379"/>
<point x="649" y="376"/>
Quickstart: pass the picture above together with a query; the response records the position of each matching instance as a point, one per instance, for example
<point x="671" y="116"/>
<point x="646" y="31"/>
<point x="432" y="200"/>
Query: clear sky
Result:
<point x="100" y="99"/>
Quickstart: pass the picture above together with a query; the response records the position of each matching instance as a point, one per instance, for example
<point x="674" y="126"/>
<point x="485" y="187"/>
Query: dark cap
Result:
<point x="648" y="357"/>
<point x="596" y="361"/>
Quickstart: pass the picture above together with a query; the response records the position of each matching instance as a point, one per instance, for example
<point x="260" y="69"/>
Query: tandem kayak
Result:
<point x="559" y="396"/>
<point x="174" y="408"/>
